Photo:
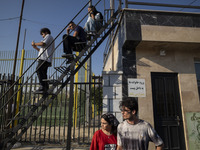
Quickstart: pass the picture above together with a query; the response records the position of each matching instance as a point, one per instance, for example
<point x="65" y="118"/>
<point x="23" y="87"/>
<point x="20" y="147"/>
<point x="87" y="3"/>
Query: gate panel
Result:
<point x="167" y="110"/>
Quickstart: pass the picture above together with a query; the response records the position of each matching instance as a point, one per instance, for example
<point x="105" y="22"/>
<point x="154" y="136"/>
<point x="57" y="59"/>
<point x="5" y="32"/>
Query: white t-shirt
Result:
<point x="47" y="48"/>
<point x="138" y="136"/>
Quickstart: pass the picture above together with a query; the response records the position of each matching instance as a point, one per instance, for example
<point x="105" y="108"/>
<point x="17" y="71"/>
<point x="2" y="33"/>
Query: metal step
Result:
<point x="62" y="69"/>
<point x="80" y="46"/>
<point x="52" y="81"/>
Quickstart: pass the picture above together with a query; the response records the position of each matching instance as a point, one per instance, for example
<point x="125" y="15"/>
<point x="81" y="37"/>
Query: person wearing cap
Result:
<point x="106" y="137"/>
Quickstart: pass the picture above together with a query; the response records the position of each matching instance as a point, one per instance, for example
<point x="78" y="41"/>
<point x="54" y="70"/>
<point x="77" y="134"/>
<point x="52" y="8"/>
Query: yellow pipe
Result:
<point x="20" y="81"/>
<point x="76" y="95"/>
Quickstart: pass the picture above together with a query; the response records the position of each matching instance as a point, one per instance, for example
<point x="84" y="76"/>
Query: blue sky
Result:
<point x="55" y="14"/>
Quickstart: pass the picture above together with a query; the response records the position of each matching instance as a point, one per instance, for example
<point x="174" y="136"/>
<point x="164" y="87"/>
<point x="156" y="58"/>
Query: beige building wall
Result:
<point x="113" y="61"/>
<point x="163" y="49"/>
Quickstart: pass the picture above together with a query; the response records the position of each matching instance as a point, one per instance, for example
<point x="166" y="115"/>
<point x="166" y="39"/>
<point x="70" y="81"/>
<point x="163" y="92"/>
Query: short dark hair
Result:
<point x="71" y="22"/>
<point x="94" y="8"/>
<point x="130" y="103"/>
<point x="45" y="30"/>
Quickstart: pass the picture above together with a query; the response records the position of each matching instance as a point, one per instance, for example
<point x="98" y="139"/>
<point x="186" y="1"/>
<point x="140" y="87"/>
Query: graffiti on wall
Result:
<point x="193" y="127"/>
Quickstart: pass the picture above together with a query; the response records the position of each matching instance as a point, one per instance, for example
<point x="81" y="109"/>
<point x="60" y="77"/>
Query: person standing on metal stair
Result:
<point x="69" y="41"/>
<point x="45" y="58"/>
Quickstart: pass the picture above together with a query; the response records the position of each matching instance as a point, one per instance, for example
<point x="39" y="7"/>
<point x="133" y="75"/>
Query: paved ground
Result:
<point x="18" y="146"/>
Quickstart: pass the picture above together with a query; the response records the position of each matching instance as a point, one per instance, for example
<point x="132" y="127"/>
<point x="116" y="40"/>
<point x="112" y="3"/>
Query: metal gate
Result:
<point x="51" y="126"/>
<point x="167" y="110"/>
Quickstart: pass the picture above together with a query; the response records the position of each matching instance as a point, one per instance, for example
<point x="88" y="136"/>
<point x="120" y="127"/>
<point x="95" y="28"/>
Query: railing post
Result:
<point x="120" y="5"/>
<point x="126" y="3"/>
<point x="76" y="96"/>
<point x="70" y="111"/>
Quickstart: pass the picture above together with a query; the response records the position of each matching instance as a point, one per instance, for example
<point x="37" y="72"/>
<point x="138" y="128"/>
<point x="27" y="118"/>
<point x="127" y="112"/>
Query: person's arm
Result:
<point x="160" y="147"/>
<point x="37" y="44"/>
<point x="155" y="138"/>
<point x="119" y="142"/>
<point x="68" y="30"/>
<point x="75" y="34"/>
<point x="94" y="143"/>
<point x="119" y="147"/>
<point x="92" y="14"/>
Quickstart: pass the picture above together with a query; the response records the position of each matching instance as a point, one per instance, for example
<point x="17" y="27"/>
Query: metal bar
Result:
<point x="65" y="113"/>
<point x="60" y="115"/>
<point x="126" y="3"/>
<point x="16" y="50"/>
<point x="45" y="124"/>
<point x="70" y="110"/>
<point x="30" y="104"/>
<point x="84" y="112"/>
<point x="100" y="102"/>
<point x="80" y="112"/>
<point x="94" y="94"/>
<point x="50" y="123"/>
<point x="20" y="81"/>
<point x="163" y="5"/>
<point x="40" y="125"/>
<point x="25" y="96"/>
<point x="55" y="112"/>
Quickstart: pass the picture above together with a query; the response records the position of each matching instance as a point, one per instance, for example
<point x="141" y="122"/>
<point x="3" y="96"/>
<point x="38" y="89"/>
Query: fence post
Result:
<point x="76" y="95"/>
<point x="71" y="101"/>
<point x="19" y="84"/>
<point x="126" y="3"/>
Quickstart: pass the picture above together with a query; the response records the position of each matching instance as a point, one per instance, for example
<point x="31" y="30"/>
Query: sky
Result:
<point x="55" y="15"/>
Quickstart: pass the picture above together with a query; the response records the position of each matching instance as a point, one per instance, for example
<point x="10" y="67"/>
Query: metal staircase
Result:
<point x="67" y="71"/>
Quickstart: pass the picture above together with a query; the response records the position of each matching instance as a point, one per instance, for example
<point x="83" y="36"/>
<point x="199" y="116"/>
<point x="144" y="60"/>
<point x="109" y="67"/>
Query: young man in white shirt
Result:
<point x="134" y="133"/>
<point x="45" y="54"/>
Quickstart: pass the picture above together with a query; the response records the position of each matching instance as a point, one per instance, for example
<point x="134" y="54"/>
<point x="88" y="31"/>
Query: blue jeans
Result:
<point x="92" y="25"/>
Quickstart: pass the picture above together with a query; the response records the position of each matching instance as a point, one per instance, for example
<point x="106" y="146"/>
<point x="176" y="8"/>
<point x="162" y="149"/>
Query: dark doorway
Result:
<point x="167" y="110"/>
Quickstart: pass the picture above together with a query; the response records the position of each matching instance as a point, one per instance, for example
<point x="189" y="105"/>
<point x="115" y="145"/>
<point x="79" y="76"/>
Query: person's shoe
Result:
<point x="92" y="33"/>
<point x="39" y="91"/>
<point x="69" y="61"/>
<point x="88" y="37"/>
<point x="67" y="55"/>
<point x="46" y="88"/>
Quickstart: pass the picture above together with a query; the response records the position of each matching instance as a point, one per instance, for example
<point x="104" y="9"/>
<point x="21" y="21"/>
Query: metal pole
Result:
<point x="9" y="115"/>
<point x="16" y="50"/>
<point x="20" y="80"/>
<point x="70" y="111"/>
<point x="126" y="3"/>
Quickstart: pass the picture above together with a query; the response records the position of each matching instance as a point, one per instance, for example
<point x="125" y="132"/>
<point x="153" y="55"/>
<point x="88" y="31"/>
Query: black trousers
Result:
<point x="68" y="43"/>
<point x="42" y="72"/>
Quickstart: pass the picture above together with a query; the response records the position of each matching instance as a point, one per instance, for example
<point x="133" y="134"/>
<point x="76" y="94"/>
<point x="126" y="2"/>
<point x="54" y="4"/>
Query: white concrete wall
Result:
<point x="112" y="92"/>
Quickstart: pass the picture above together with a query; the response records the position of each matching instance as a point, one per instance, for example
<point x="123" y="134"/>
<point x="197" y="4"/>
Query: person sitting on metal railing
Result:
<point x="69" y="41"/>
